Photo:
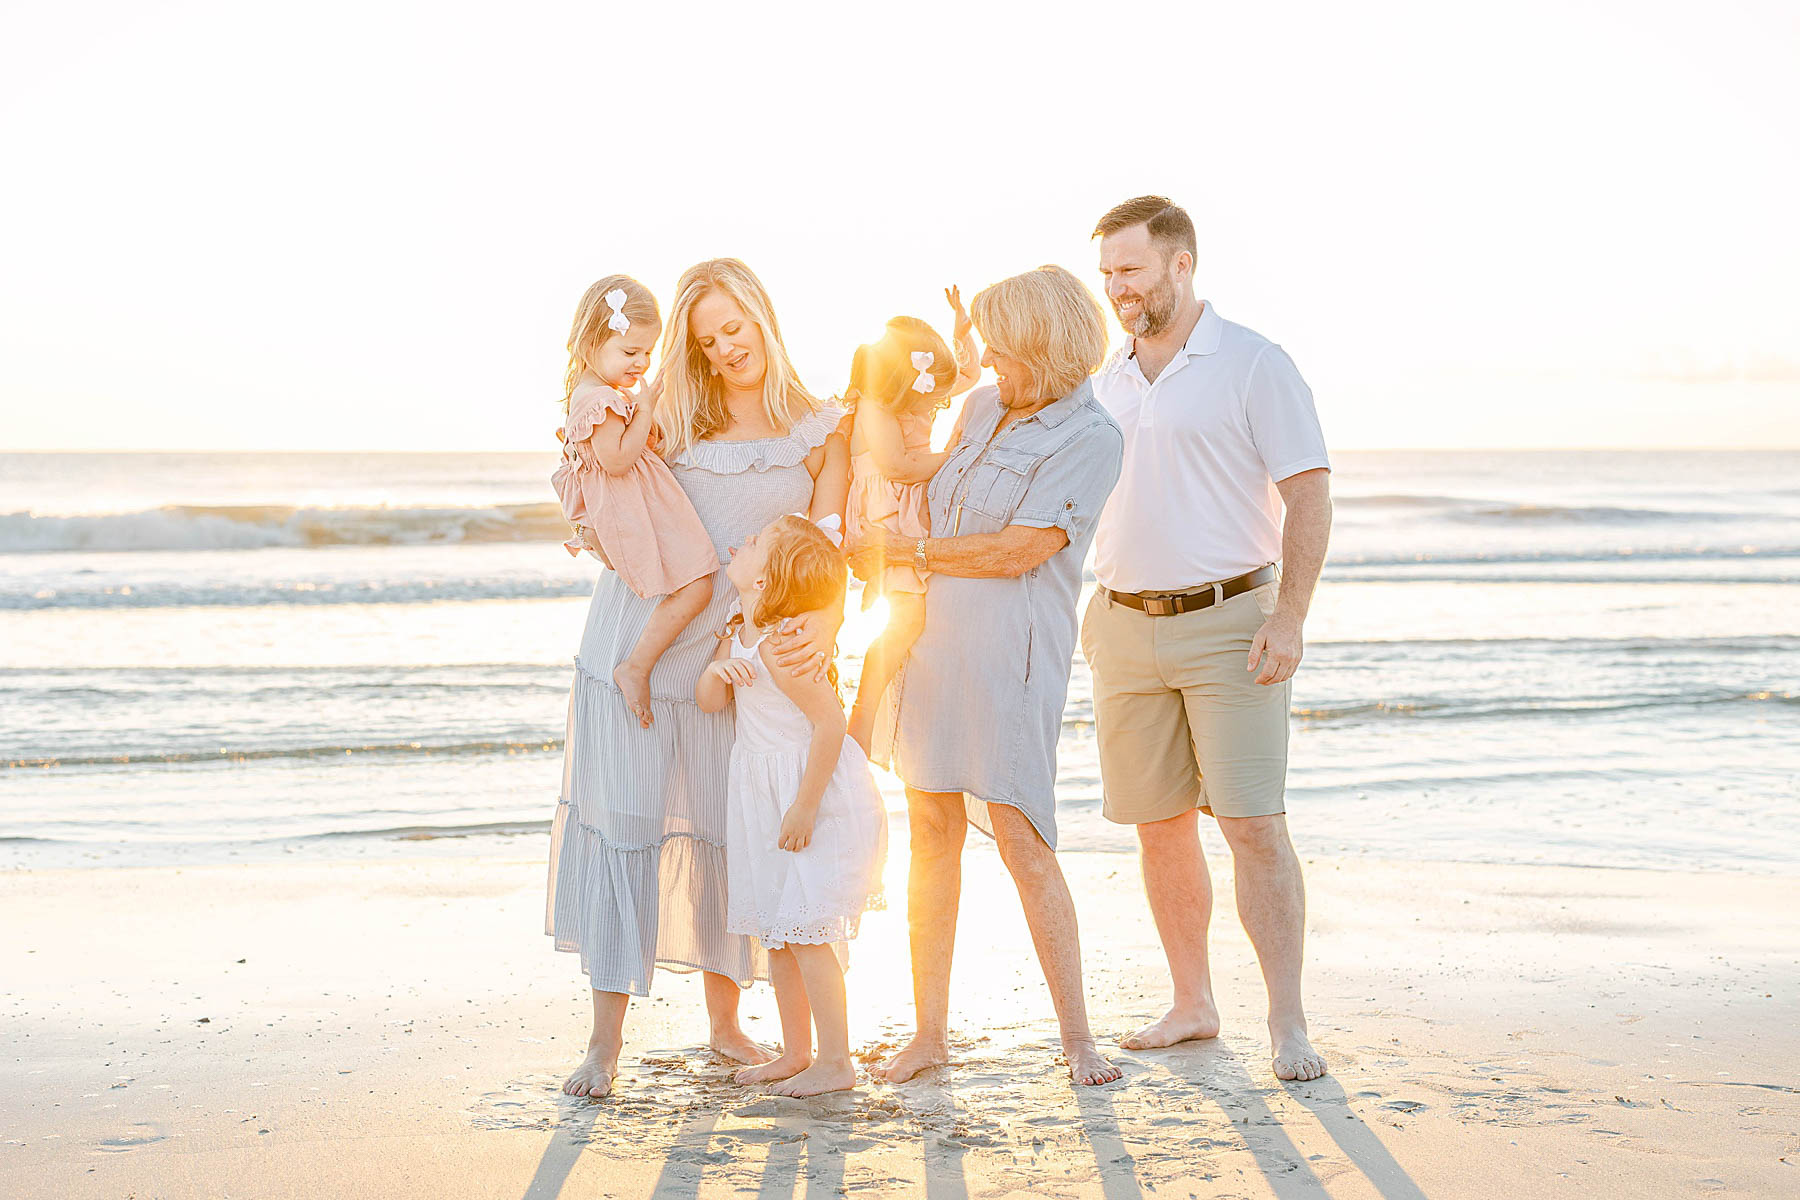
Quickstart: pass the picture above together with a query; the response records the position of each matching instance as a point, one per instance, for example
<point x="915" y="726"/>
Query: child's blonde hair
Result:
<point x="883" y="370"/>
<point x="692" y="404"/>
<point x="805" y="572"/>
<point x="590" y="330"/>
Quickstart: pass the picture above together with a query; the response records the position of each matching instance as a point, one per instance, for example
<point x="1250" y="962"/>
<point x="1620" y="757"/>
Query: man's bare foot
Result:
<point x="634" y="681"/>
<point x="784" y="1067"/>
<point x="1295" y="1057"/>
<point x="817" y="1079"/>
<point x="920" y="1054"/>
<point x="736" y="1045"/>
<point x="594" y="1077"/>
<point x="1177" y="1025"/>
<point x="1087" y="1066"/>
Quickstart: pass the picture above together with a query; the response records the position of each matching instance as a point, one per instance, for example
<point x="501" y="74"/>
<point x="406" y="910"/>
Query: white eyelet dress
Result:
<point x="637" y="851"/>
<point x="815" y="896"/>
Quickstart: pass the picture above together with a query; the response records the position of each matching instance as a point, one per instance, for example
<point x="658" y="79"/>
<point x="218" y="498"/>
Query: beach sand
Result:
<point x="401" y="1028"/>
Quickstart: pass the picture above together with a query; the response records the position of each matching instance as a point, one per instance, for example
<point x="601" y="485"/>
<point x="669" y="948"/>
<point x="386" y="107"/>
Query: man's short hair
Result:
<point x="1170" y="227"/>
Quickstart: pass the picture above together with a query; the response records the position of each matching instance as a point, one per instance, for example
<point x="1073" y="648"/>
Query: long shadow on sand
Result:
<point x="568" y="1138"/>
<point x="1326" y="1100"/>
<point x="1100" y="1124"/>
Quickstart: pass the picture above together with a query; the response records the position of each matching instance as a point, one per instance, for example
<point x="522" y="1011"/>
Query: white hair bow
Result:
<point x="922" y="360"/>
<point x="832" y="526"/>
<point x="618" y="322"/>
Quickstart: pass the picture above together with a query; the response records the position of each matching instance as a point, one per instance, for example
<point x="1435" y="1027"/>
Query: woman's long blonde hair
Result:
<point x="590" y="330"/>
<point x="692" y="404"/>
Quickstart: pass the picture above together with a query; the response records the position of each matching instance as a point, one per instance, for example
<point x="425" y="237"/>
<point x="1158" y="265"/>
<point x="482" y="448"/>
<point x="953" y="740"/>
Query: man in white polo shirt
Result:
<point x="1192" y="635"/>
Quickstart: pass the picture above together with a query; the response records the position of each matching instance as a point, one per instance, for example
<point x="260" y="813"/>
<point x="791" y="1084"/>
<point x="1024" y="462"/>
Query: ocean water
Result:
<point x="1587" y="658"/>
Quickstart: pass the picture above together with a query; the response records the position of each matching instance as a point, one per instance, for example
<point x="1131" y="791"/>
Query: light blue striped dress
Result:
<point x="978" y="708"/>
<point x="637" y="852"/>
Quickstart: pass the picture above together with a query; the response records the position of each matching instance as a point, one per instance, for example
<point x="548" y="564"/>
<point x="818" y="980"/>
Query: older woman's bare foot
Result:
<point x="634" y="682"/>
<point x="1087" y="1066"/>
<point x="819" y="1078"/>
<point x="783" y="1067"/>
<point x="1294" y="1056"/>
<point x="920" y="1054"/>
<point x="736" y="1045"/>
<point x="1188" y="1024"/>
<point x="594" y="1077"/>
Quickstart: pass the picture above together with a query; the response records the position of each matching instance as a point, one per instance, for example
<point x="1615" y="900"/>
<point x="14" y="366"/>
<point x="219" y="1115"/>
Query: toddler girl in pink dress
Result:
<point x="616" y="490"/>
<point x="897" y="385"/>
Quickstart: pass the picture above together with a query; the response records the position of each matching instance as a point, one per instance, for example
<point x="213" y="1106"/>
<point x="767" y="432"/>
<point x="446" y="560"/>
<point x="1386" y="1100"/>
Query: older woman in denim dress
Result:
<point x="978" y="709"/>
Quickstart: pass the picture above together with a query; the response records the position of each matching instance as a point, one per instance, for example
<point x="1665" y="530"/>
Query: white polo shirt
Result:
<point x="1204" y="447"/>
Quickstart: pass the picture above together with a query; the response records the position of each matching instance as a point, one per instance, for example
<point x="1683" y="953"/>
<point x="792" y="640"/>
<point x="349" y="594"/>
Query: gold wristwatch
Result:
<point x="919" y="556"/>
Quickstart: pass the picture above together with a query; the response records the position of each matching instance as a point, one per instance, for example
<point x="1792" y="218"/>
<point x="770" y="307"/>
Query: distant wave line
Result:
<point x="228" y="755"/>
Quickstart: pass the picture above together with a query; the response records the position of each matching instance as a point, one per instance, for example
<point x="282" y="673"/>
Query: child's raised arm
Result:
<point x="818" y="700"/>
<point x="881" y="433"/>
<point x="968" y="358"/>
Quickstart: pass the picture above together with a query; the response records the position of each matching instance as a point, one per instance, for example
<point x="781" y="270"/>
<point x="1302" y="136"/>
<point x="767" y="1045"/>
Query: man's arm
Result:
<point x="1305" y="534"/>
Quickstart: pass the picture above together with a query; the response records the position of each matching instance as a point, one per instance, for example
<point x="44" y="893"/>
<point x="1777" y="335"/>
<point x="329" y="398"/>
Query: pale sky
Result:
<point x="365" y="226"/>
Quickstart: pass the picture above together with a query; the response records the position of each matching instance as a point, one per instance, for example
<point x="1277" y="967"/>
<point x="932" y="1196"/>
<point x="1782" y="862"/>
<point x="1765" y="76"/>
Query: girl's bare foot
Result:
<point x="634" y="682"/>
<point x="785" y="1067"/>
<point x="1087" y="1066"/>
<point x="920" y="1054"/>
<point x="818" y="1079"/>
<point x="594" y="1077"/>
<point x="736" y="1045"/>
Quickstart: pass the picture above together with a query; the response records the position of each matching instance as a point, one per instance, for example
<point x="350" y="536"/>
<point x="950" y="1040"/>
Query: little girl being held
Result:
<point x="806" y="833"/>
<point x="897" y="385"/>
<point x="612" y="483"/>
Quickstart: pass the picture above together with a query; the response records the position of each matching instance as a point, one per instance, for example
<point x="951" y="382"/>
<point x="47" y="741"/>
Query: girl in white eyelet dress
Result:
<point x="806" y="833"/>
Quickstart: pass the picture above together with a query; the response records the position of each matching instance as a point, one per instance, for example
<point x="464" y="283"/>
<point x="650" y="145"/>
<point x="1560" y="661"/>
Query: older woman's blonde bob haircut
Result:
<point x="692" y="404"/>
<point x="1048" y="320"/>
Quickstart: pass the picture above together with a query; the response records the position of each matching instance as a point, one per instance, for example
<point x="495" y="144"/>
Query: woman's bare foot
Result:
<point x="784" y="1067"/>
<point x="634" y="682"/>
<point x="1190" y="1024"/>
<point x="1294" y="1056"/>
<point x="736" y="1045"/>
<point x="1087" y="1066"/>
<point x="920" y="1054"/>
<point x="594" y="1077"/>
<point x="817" y="1079"/>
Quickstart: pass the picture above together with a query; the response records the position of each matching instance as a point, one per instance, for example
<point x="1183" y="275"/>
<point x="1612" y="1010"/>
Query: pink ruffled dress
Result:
<point x="642" y="519"/>
<point x="902" y="508"/>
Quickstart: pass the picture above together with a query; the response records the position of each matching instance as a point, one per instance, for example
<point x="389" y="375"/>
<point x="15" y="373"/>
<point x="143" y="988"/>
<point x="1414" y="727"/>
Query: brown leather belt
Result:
<point x="1194" y="600"/>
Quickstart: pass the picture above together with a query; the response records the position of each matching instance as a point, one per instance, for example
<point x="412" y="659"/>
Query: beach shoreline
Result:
<point x="398" y="1027"/>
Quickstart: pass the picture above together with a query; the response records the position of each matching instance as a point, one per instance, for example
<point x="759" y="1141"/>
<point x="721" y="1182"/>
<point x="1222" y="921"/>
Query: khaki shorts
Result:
<point x="1180" y="722"/>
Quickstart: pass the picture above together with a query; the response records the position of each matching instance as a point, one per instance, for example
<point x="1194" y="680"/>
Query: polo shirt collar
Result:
<point x="1203" y="340"/>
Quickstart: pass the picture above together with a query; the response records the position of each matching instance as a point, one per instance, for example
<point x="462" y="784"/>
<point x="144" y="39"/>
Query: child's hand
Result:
<point x="797" y="828"/>
<point x="733" y="672"/>
<point x="964" y="325"/>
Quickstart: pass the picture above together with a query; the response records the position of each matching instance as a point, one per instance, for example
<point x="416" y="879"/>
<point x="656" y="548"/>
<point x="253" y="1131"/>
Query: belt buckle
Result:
<point x="1159" y="606"/>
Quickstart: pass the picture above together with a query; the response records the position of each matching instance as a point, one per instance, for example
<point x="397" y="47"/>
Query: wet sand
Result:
<point x="401" y="1028"/>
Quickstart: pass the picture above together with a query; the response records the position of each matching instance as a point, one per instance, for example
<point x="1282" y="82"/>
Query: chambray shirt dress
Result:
<point x="978" y="708"/>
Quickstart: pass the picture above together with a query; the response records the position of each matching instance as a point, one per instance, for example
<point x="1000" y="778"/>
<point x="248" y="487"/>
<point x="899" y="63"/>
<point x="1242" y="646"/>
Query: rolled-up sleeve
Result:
<point x="1070" y="487"/>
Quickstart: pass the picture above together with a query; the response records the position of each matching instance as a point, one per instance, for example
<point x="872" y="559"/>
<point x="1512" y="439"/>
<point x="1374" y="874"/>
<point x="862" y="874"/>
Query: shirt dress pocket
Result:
<point x="998" y="483"/>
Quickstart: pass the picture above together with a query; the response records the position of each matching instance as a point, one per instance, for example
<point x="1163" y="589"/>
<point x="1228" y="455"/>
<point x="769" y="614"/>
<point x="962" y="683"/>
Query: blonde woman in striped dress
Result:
<point x="637" y="852"/>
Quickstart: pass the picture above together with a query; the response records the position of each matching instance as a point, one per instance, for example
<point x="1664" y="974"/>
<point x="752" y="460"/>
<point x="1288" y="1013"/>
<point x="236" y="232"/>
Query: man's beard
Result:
<point x="1156" y="311"/>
